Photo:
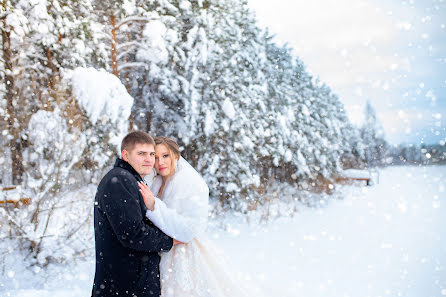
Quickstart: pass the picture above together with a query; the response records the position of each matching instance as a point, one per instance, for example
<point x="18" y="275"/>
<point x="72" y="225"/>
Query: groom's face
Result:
<point x="141" y="157"/>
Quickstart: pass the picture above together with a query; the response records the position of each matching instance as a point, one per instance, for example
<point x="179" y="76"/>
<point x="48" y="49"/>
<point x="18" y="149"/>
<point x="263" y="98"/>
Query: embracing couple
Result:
<point x="150" y="241"/>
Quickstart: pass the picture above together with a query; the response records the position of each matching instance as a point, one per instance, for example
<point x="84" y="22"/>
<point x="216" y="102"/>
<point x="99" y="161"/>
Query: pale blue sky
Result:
<point x="392" y="53"/>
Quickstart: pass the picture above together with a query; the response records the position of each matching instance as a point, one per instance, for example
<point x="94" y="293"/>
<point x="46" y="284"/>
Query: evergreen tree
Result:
<point x="245" y="111"/>
<point x="40" y="41"/>
<point x="372" y="134"/>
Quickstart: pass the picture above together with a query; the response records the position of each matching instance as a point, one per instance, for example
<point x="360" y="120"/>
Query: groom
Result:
<point x="127" y="243"/>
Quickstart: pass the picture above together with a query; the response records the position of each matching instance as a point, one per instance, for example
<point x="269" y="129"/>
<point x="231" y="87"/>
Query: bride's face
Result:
<point x="163" y="160"/>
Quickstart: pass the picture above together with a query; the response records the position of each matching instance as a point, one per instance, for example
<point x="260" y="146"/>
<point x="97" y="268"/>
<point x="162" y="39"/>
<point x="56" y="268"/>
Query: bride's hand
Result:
<point x="147" y="195"/>
<point x="175" y="242"/>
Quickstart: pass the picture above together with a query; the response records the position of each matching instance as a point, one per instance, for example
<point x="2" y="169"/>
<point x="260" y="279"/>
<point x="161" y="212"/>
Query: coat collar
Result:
<point x="125" y="165"/>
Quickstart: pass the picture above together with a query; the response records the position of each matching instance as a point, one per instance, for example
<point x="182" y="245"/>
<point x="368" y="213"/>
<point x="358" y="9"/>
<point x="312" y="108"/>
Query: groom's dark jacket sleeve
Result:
<point x="123" y="210"/>
<point x="127" y="243"/>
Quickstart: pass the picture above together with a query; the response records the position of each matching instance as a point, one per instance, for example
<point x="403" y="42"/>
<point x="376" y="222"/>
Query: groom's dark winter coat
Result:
<point x="127" y="243"/>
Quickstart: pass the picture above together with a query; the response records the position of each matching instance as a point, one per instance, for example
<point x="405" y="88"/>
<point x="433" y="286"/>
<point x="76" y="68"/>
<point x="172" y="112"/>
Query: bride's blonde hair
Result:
<point x="174" y="150"/>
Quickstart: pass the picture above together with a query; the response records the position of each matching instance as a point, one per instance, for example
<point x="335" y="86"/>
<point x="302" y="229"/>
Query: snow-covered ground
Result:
<point x="384" y="240"/>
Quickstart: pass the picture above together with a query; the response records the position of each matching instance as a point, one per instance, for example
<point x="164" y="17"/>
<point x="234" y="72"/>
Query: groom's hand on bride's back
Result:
<point x="175" y="242"/>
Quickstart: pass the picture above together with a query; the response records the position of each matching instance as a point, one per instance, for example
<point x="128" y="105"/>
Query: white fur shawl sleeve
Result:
<point x="183" y="212"/>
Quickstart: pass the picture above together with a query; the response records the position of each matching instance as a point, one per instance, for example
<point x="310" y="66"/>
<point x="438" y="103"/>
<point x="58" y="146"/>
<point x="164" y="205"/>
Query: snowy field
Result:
<point x="384" y="240"/>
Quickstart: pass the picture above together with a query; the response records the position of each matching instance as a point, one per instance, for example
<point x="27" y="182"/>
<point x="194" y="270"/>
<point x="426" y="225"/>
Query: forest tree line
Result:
<point x="245" y="110"/>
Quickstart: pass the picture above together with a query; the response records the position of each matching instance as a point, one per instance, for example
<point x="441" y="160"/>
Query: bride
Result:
<point x="178" y="204"/>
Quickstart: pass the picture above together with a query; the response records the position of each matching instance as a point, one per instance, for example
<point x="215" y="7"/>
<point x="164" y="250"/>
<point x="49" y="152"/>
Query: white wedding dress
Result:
<point x="195" y="268"/>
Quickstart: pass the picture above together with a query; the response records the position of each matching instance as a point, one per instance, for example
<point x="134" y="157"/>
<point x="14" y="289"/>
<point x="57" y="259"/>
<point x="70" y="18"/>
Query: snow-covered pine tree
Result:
<point x="334" y="125"/>
<point x="123" y="24"/>
<point x="241" y="106"/>
<point x="353" y="155"/>
<point x="372" y="135"/>
<point x="194" y="55"/>
<point x="46" y="38"/>
<point x="318" y="125"/>
<point x="234" y="106"/>
<point x="156" y="84"/>
<point x="283" y="142"/>
<point x="110" y="14"/>
<point x="245" y="110"/>
<point x="303" y="125"/>
<point x="60" y="37"/>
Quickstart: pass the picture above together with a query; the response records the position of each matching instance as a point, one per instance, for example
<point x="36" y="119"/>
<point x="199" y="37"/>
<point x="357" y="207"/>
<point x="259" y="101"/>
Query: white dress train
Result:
<point x="196" y="268"/>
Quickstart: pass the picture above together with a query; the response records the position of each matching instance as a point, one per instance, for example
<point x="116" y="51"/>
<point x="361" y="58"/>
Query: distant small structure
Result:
<point x="369" y="176"/>
<point x="13" y="197"/>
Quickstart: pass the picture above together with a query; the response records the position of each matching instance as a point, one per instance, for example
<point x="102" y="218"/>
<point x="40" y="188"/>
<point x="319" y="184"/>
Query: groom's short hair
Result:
<point x="136" y="137"/>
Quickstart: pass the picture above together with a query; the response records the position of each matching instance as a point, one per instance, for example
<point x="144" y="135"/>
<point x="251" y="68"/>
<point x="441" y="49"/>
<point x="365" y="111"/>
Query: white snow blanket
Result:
<point x="385" y="240"/>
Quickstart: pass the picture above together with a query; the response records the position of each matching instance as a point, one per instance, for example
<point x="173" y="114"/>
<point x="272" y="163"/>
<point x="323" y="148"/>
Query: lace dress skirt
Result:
<point x="199" y="269"/>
